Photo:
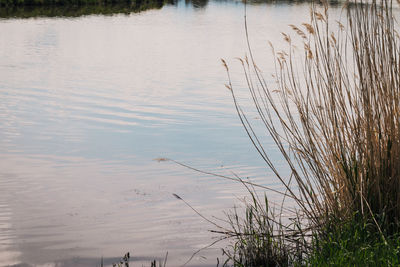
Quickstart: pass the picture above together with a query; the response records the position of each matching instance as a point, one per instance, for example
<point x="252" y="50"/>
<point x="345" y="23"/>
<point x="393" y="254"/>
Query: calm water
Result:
<point x="87" y="103"/>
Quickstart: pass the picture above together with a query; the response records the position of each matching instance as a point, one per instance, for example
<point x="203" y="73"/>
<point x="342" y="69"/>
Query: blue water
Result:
<point x="87" y="103"/>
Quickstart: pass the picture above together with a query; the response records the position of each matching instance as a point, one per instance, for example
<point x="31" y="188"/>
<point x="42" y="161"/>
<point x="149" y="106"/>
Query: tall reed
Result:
<point x="336" y="118"/>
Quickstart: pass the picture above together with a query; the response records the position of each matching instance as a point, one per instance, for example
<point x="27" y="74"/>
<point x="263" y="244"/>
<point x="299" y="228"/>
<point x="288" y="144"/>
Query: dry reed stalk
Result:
<point x="336" y="120"/>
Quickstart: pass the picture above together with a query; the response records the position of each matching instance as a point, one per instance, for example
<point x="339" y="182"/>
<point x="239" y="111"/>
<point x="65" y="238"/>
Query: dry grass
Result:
<point x="334" y="115"/>
<point x="335" y="119"/>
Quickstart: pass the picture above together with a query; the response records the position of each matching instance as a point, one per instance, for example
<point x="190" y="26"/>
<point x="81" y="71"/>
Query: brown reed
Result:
<point x="335" y="119"/>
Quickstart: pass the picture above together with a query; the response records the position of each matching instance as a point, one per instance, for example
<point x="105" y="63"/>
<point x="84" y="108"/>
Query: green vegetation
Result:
<point x="74" y="8"/>
<point x="258" y="239"/>
<point x="5" y="3"/>
<point x="333" y="113"/>
<point x="356" y="243"/>
<point x="78" y="10"/>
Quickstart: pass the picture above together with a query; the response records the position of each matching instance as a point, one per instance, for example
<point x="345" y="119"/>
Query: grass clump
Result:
<point x="255" y="244"/>
<point x="355" y="243"/>
<point x="334" y="115"/>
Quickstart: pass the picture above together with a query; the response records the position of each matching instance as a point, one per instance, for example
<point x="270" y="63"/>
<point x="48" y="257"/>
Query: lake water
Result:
<point x="87" y="103"/>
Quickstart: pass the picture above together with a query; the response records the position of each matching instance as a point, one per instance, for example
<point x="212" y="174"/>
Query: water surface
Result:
<point x="87" y="103"/>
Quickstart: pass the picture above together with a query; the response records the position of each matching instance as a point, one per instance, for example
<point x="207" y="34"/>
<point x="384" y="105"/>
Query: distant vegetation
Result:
<point x="75" y="8"/>
<point x="5" y="3"/>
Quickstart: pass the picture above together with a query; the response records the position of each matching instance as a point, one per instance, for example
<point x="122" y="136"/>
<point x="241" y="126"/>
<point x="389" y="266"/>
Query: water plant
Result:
<point x="124" y="261"/>
<point x="333" y="113"/>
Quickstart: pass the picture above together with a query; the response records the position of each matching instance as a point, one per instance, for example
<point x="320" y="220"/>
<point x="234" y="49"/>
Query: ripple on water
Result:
<point x="85" y="105"/>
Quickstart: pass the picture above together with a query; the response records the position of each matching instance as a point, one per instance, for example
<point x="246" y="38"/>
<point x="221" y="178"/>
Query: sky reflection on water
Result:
<point x="85" y="105"/>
